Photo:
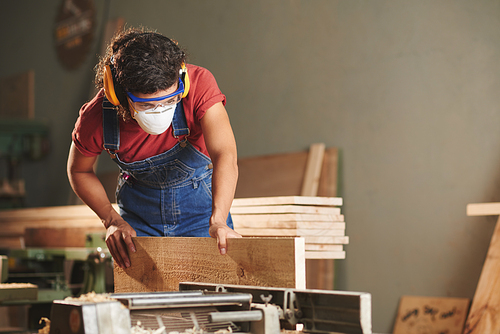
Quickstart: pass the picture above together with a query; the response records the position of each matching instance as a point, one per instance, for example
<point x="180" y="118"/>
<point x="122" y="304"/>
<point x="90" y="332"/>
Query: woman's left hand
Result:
<point x="221" y="232"/>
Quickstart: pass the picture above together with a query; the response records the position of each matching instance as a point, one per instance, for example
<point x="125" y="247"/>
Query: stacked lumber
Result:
<point x="56" y="226"/>
<point x="317" y="219"/>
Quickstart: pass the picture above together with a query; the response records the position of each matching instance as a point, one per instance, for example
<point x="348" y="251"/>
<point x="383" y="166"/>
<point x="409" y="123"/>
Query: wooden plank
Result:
<point x="483" y="315"/>
<point x="329" y="173"/>
<point x="271" y="175"/>
<point x="265" y="209"/>
<point x="17" y="95"/>
<point x="313" y="170"/>
<point x="18" y="229"/>
<point x="13" y="242"/>
<point x="324" y="255"/>
<point x="287" y="200"/>
<point x="286" y="217"/>
<point x="327" y="240"/>
<point x="14" y="222"/>
<point x="161" y="263"/>
<point x="4" y="268"/>
<point x="18" y="291"/>
<point x="48" y="213"/>
<point x="288" y="232"/>
<point x="325" y="247"/>
<point x="483" y="209"/>
<point x="59" y="237"/>
<point x="288" y="225"/>
<point x="421" y="315"/>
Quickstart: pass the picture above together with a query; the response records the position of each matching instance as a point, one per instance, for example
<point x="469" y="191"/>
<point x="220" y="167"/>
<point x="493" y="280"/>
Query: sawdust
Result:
<point x="92" y="297"/>
<point x="138" y="329"/>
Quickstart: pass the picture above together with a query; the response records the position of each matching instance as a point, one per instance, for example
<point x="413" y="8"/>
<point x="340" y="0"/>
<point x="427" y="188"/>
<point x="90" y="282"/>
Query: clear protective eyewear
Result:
<point x="156" y="104"/>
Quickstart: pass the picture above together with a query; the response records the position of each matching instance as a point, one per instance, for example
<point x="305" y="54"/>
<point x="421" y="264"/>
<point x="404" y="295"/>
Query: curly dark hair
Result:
<point x="144" y="61"/>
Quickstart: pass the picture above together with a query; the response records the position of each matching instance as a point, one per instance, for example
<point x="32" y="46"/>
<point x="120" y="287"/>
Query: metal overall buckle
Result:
<point x="183" y="142"/>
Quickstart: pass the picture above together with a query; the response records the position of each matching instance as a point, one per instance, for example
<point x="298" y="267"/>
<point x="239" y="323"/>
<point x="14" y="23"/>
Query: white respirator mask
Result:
<point x="155" y="122"/>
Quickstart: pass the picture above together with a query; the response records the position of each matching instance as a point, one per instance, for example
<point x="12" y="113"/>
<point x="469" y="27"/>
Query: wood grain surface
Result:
<point x="161" y="263"/>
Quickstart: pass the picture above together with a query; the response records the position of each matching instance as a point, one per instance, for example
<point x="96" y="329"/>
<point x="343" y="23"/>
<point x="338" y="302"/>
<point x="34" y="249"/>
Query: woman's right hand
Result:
<point x="87" y="186"/>
<point x="119" y="241"/>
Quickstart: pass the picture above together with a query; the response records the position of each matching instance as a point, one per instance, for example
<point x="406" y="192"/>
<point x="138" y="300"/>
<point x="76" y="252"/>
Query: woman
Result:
<point x="164" y="123"/>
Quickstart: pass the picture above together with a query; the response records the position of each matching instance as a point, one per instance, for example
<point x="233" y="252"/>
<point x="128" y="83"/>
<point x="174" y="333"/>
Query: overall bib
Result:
<point x="166" y="195"/>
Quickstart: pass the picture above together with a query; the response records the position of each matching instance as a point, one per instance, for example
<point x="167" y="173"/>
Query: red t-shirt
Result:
<point x="135" y="143"/>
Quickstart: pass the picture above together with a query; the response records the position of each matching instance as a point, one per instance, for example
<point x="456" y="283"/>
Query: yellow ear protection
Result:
<point x="109" y="86"/>
<point x="185" y="80"/>
<point x="112" y="89"/>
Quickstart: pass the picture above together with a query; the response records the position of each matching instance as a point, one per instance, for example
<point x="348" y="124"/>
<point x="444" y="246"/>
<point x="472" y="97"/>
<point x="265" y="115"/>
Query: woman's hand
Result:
<point x="221" y="232"/>
<point x="119" y="241"/>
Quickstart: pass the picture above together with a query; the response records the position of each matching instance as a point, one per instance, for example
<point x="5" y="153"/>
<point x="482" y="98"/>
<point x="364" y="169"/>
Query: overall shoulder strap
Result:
<point x="179" y="123"/>
<point x="110" y="127"/>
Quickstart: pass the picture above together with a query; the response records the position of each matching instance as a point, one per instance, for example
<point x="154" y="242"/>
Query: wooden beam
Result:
<point x="483" y="314"/>
<point x="59" y="237"/>
<point x="161" y="263"/>
<point x="18" y="291"/>
<point x="325" y="247"/>
<point x="483" y="209"/>
<point x="288" y="224"/>
<point x="286" y="217"/>
<point x="329" y="173"/>
<point x="278" y="232"/>
<point x="262" y="209"/>
<point x="288" y="200"/>
<point x="14" y="242"/>
<point x="325" y="255"/>
<point x="313" y="170"/>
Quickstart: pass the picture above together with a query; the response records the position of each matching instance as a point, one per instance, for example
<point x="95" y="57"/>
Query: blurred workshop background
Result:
<point x="408" y="91"/>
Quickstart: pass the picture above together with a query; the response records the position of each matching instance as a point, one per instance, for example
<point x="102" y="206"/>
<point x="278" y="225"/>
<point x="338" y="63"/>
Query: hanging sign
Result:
<point x="74" y="31"/>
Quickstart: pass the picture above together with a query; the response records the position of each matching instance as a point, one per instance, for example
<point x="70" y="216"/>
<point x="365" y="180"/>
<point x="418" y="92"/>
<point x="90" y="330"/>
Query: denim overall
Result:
<point x="169" y="194"/>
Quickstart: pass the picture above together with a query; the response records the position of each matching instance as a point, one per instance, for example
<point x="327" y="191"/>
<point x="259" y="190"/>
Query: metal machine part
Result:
<point x="208" y="308"/>
<point x="320" y="311"/>
<point x="174" y="311"/>
<point x="82" y="317"/>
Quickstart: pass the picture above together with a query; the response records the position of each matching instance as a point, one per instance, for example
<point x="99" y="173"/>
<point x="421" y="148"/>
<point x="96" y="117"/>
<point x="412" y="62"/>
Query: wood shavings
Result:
<point x="91" y="297"/>
<point x="46" y="328"/>
<point x="138" y="329"/>
<point x="16" y="285"/>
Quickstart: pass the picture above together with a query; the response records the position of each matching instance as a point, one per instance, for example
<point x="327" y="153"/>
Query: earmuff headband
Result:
<point x="109" y="84"/>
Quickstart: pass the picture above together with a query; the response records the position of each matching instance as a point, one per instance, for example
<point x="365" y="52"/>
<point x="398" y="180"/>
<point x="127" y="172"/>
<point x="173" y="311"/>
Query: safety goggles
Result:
<point x="156" y="103"/>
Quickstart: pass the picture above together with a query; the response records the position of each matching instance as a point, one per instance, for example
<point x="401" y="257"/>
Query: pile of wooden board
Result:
<point x="317" y="219"/>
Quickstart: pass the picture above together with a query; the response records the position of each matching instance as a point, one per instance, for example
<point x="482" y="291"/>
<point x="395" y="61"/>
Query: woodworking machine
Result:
<point x="212" y="308"/>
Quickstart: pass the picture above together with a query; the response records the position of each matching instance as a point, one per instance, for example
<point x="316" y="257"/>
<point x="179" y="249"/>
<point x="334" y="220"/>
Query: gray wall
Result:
<point x="407" y="90"/>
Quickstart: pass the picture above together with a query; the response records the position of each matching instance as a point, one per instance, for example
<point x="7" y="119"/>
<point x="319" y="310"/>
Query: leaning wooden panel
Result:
<point x="161" y="263"/>
<point x="420" y="314"/>
<point x="483" y="313"/>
